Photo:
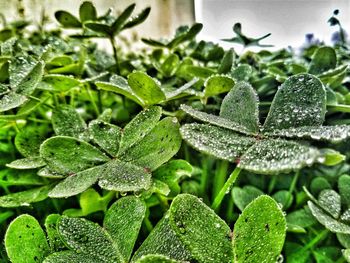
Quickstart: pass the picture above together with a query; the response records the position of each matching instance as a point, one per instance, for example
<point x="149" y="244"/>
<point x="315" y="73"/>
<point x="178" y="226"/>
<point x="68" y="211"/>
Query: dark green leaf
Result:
<point x="136" y="20"/>
<point x="122" y="18"/>
<point x="344" y="186"/>
<point x="323" y="60"/>
<point x="226" y="62"/>
<point x="87" y="11"/>
<point x="243" y="196"/>
<point x="67" y="20"/>
<point x="51" y="229"/>
<point x="99" y="28"/>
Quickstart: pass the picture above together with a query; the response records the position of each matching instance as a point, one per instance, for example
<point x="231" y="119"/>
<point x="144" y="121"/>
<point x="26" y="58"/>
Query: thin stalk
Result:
<point x="226" y="188"/>
<point x="114" y="46"/>
<point x="220" y="176"/>
<point x="315" y="241"/>
<point x="92" y="100"/>
<point x="204" y="177"/>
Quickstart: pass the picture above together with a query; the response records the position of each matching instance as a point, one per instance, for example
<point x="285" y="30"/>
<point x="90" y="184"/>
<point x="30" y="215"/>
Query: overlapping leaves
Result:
<point x="297" y="112"/>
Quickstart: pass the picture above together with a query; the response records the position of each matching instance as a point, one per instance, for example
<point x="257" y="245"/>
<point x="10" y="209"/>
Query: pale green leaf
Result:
<point x="329" y="200"/>
<point x="27" y="163"/>
<point x="53" y="237"/>
<point x="11" y="100"/>
<point x="217" y="84"/>
<point x="71" y="257"/>
<point x="157" y="259"/>
<point x="61" y="83"/>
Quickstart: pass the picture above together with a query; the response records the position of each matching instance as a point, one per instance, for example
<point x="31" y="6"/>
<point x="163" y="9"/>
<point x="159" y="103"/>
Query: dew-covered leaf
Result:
<point x="139" y="127"/>
<point x="66" y="121"/>
<point x="61" y="83"/>
<point x="157" y="259"/>
<point x="243" y="196"/>
<point x="344" y="188"/>
<point x="333" y="134"/>
<point x="86" y="237"/>
<point x="71" y="257"/>
<point x="323" y="60"/>
<point x="27" y="163"/>
<point x="66" y="155"/>
<point x="28" y="141"/>
<point x="11" y="100"/>
<point x="344" y="239"/>
<point x="25" y="240"/>
<point x="157" y="147"/>
<point x="26" y="197"/>
<point x="87" y="11"/>
<point x="53" y="237"/>
<point x="163" y="240"/>
<point x="145" y="88"/>
<point x="328" y="221"/>
<point x="122" y="176"/>
<point x="259" y="232"/>
<point x="329" y="200"/>
<point x="67" y="20"/>
<point x="77" y="183"/>
<point x="123" y="222"/>
<point x="219" y="142"/>
<point x="241" y="106"/>
<point x="169" y="66"/>
<point x="273" y="156"/>
<point x="217" y="84"/>
<point x="242" y="72"/>
<point x="10" y="177"/>
<point x="346" y="254"/>
<point x="300" y="101"/>
<point x="105" y="135"/>
<point x="215" y="120"/>
<point x="186" y="218"/>
<point x="119" y="85"/>
<point x="46" y="172"/>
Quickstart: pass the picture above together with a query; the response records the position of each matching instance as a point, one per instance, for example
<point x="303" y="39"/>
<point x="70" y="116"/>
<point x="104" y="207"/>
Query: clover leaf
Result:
<point x="297" y="111"/>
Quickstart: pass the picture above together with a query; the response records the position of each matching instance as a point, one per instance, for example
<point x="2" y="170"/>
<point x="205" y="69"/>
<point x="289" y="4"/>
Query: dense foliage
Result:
<point x="177" y="152"/>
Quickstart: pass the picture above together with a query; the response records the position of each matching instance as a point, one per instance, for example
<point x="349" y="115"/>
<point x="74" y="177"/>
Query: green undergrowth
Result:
<point x="179" y="151"/>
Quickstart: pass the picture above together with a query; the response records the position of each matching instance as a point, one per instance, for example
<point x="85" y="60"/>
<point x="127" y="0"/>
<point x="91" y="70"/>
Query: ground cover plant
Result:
<point x="180" y="151"/>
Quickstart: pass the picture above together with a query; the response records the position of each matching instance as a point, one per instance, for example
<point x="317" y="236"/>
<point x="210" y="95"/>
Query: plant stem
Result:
<point x="220" y="176"/>
<point x="114" y="46"/>
<point x="315" y="240"/>
<point x="92" y="101"/>
<point x="225" y="189"/>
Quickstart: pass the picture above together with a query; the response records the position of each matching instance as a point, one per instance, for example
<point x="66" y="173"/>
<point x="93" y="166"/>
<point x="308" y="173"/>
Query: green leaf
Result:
<point x="186" y="218"/>
<point x="215" y="120"/>
<point x="26" y="197"/>
<point x="27" y="163"/>
<point x="336" y="133"/>
<point x="10" y="177"/>
<point x="11" y="100"/>
<point x="344" y="240"/>
<point x="300" y="101"/>
<point x="328" y="221"/>
<point x="216" y="141"/>
<point x="163" y="240"/>
<point x="87" y="11"/>
<point x="169" y="66"/>
<point x="189" y="34"/>
<point x="157" y="147"/>
<point x="329" y="200"/>
<point x="25" y="240"/>
<point x="242" y="72"/>
<point x="71" y="257"/>
<point x="259" y="232"/>
<point x="344" y="186"/>
<point x="123" y="222"/>
<point x="77" y="183"/>
<point x="67" y="155"/>
<point x="217" y="84"/>
<point x="67" y="122"/>
<point x="226" y="62"/>
<point x="139" y="127"/>
<point x="301" y="217"/>
<point x="138" y="19"/>
<point x="67" y="20"/>
<point x="243" y="196"/>
<point x="106" y="135"/>
<point x="273" y="156"/>
<point x="83" y="236"/>
<point x="122" y="18"/>
<point x="61" y="83"/>
<point x="156" y="259"/>
<point x="146" y="88"/>
<point x="332" y="157"/>
<point x="283" y="197"/>
<point x="323" y="60"/>
<point x="51" y="229"/>
<point x="346" y="254"/>
<point x="99" y="28"/>
<point x="123" y="176"/>
<point x="241" y="106"/>
<point x="119" y="85"/>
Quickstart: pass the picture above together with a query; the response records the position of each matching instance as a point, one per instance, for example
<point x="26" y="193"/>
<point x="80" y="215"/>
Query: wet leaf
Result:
<point x="157" y="147"/>
<point x="259" y="232"/>
<point x="51" y="229"/>
<point x="241" y="106"/>
<point x="11" y="100"/>
<point x="123" y="222"/>
<point x="25" y="241"/>
<point x="67" y="122"/>
<point x="156" y="259"/>
<point x="106" y="135"/>
<point x="27" y="163"/>
<point x="146" y="88"/>
<point x="323" y="60"/>
<point x="344" y="186"/>
<point x="83" y="236"/>
<point x="217" y="84"/>
<point x="28" y="141"/>
<point x="138" y="19"/>
<point x="216" y="141"/>
<point x="61" y="83"/>
<point x="123" y="176"/>
<point x="71" y="257"/>
<point x="329" y="200"/>
<point x="273" y="156"/>
<point x="169" y="66"/>
<point x="66" y="155"/>
<point x="300" y="101"/>
<point x="243" y="196"/>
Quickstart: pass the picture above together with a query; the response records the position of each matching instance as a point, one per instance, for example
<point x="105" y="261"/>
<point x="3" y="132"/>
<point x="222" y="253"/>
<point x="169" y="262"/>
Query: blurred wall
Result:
<point x="165" y="17"/>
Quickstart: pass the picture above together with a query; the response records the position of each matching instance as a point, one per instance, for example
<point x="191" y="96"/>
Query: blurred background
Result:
<point x="287" y="20"/>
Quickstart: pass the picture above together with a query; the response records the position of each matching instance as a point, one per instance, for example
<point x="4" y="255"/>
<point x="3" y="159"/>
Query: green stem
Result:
<point x="225" y="189"/>
<point x="220" y="176"/>
<point x="315" y="241"/>
<point x="114" y="46"/>
<point x="92" y="101"/>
